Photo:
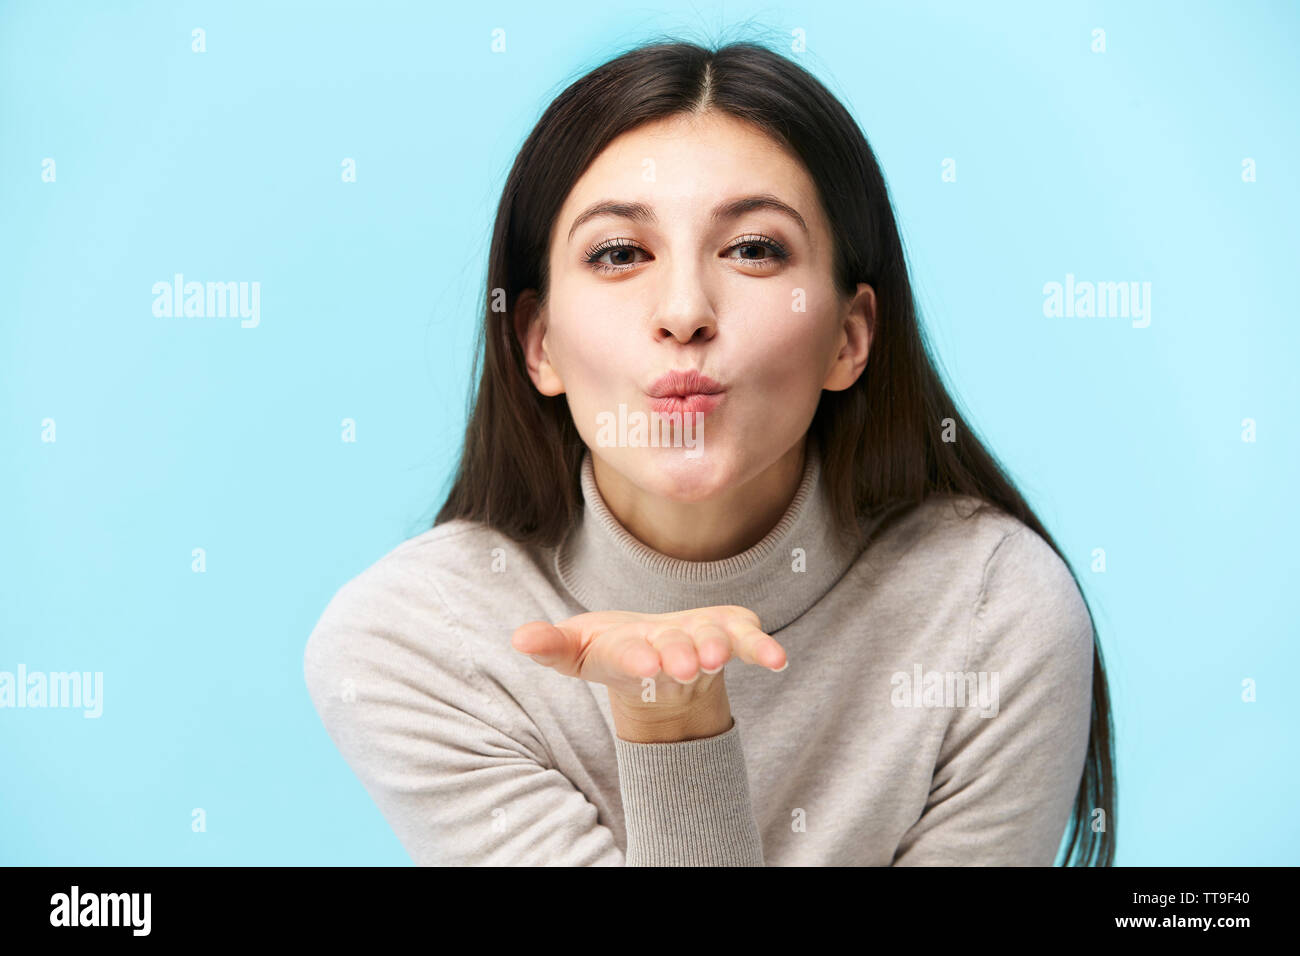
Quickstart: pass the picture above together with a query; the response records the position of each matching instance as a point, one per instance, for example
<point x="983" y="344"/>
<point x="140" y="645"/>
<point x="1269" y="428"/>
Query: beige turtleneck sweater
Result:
<point x="935" y="708"/>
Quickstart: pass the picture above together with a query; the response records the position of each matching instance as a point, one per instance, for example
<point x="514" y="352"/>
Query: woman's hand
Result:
<point x="621" y="649"/>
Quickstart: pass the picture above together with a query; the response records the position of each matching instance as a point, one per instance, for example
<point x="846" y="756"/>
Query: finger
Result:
<point x="539" y="637"/>
<point x="549" y="645"/>
<point x="676" y="654"/>
<point x="620" y="654"/>
<point x="753" y="646"/>
<point x="736" y="612"/>
<point x="712" y="646"/>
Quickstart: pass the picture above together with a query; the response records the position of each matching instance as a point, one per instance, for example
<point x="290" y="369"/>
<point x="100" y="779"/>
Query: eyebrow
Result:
<point x="640" y="212"/>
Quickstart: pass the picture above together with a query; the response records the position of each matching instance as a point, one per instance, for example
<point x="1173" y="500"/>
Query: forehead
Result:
<point x="683" y="165"/>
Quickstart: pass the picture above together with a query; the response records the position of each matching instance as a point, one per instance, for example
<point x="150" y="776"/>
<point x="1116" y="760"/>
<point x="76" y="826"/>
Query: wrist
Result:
<point x="663" y="723"/>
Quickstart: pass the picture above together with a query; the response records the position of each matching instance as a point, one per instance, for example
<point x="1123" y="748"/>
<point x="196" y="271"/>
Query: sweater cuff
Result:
<point x="687" y="803"/>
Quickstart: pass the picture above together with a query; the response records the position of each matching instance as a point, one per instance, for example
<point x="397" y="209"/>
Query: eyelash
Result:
<point x="592" y="255"/>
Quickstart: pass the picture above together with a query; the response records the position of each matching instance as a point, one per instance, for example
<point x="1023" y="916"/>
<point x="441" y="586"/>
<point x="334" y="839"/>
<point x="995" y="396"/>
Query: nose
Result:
<point x="687" y="330"/>
<point x="686" y="311"/>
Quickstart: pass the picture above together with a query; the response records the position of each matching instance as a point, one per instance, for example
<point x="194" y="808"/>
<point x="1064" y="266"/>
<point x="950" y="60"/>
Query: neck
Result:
<point x="605" y="567"/>
<point x="726" y="524"/>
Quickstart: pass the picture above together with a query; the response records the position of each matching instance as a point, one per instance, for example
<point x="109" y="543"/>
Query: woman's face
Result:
<point x="692" y="274"/>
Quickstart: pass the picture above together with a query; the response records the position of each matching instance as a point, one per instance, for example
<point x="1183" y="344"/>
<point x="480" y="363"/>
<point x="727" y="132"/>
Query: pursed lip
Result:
<point x="683" y="384"/>
<point x="700" y="403"/>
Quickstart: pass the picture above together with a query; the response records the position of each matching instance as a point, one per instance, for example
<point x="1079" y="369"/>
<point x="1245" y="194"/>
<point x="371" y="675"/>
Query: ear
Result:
<point x="530" y="328"/>
<point x="859" y="324"/>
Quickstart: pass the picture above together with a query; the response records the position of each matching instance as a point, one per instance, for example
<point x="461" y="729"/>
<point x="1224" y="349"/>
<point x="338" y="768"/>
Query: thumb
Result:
<point x="545" y="643"/>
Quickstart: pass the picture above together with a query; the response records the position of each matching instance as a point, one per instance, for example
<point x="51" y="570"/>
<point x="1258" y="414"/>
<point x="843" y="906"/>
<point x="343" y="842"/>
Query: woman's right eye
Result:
<point x="621" y="251"/>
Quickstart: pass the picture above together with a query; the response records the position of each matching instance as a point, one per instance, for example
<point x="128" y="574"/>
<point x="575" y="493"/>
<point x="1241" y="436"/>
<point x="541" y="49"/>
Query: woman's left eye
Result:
<point x="775" y="251"/>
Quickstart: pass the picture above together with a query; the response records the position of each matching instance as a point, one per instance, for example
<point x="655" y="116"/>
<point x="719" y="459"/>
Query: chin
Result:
<point x="684" y="474"/>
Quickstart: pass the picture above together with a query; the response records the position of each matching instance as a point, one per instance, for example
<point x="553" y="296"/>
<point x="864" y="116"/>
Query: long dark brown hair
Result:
<point x="881" y="440"/>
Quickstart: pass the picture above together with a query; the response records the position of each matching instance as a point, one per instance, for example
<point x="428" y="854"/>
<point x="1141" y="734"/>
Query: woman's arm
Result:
<point x="1004" y="784"/>
<point x="462" y="774"/>
<point x="687" y="803"/>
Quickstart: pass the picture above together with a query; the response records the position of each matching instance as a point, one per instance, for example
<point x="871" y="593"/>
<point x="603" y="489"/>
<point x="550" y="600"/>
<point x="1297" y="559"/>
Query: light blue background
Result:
<point x="174" y="434"/>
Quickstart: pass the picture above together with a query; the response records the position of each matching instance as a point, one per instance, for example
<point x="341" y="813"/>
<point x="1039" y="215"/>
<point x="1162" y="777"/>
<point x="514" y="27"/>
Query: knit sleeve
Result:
<point x="460" y="776"/>
<point x="687" y="803"/>
<point x="1010" y="764"/>
<point x="461" y="773"/>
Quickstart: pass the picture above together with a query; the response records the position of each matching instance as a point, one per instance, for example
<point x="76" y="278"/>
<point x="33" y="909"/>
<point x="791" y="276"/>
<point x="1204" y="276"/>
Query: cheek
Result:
<point x="588" y="342"/>
<point x="786" y="336"/>
<point x="595" y="357"/>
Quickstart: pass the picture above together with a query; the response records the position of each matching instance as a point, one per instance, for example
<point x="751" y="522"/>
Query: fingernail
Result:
<point x="715" y="670"/>
<point x="777" y="670"/>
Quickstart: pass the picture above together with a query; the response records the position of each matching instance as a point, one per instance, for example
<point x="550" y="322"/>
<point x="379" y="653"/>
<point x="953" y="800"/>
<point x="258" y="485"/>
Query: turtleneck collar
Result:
<point x="606" y="568"/>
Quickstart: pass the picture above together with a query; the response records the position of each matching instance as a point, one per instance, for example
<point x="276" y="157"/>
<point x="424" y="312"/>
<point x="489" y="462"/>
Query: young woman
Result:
<point x="818" y="627"/>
